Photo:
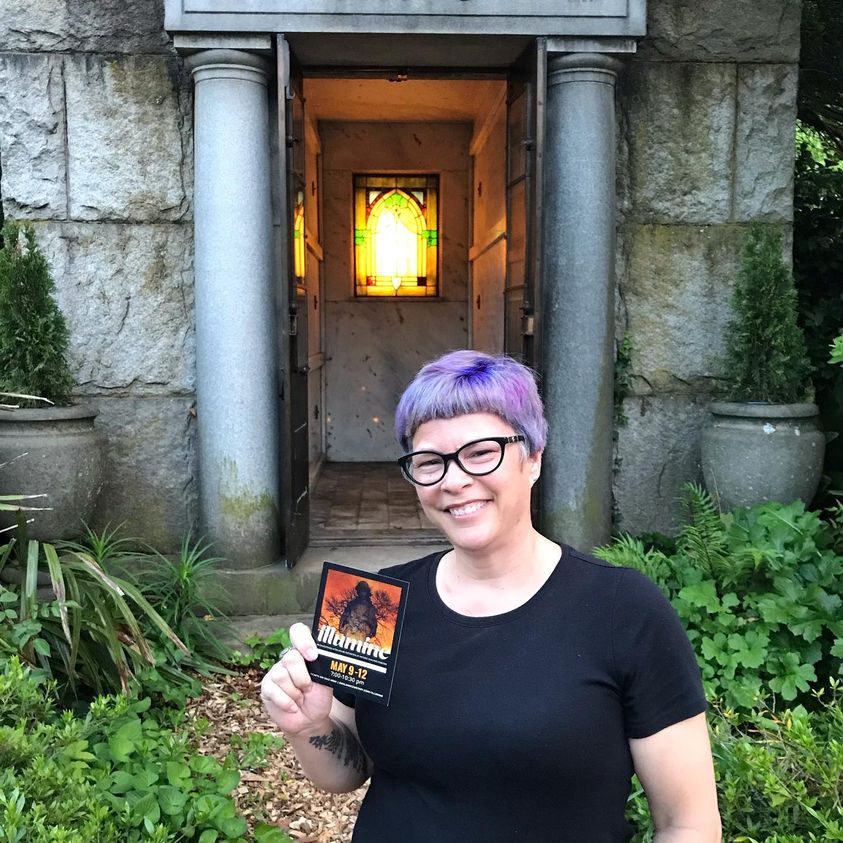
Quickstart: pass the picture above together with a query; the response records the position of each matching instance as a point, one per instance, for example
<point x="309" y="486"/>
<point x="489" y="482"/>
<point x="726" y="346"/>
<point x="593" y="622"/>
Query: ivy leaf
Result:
<point x="715" y="648"/>
<point x="773" y="610"/>
<point x="177" y="773"/>
<point x="171" y="799"/>
<point x="750" y="649"/>
<point x="810" y="630"/>
<point x="270" y="834"/>
<point x="121" y="781"/>
<point x="702" y="594"/>
<point x="204" y="765"/>
<point x="233" y="826"/>
<point x="227" y="780"/>
<point x="795" y="676"/>
<point x="123" y="742"/>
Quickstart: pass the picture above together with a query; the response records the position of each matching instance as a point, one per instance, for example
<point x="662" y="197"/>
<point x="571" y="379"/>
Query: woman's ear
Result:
<point x="535" y="461"/>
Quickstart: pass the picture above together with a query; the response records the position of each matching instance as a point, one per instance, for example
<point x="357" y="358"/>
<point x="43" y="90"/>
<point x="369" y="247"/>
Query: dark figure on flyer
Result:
<point x="359" y="618"/>
<point x="533" y="679"/>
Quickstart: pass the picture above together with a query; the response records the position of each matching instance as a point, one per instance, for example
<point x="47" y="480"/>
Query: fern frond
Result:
<point x="703" y="541"/>
<point x="629" y="552"/>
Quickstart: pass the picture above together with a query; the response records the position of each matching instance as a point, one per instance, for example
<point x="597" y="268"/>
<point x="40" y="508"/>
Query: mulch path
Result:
<point x="274" y="790"/>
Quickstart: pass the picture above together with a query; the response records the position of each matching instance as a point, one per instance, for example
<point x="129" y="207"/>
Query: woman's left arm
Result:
<point x="676" y="770"/>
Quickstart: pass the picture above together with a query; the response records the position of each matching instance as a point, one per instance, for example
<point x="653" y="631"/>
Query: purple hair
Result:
<point x="463" y="382"/>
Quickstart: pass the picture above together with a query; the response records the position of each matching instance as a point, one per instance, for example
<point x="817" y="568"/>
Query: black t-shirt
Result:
<point x="515" y="726"/>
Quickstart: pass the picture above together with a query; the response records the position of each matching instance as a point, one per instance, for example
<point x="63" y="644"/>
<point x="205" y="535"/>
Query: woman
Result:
<point x="532" y="680"/>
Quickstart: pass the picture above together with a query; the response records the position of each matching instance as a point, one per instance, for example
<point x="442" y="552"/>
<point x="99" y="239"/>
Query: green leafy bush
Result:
<point x="766" y="357"/>
<point x="34" y="337"/>
<point x="263" y="651"/>
<point x="818" y="267"/>
<point x="779" y="776"/>
<point x="121" y="774"/>
<point x="759" y="591"/>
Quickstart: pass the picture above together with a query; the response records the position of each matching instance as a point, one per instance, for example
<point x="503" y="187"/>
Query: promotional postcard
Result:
<point x="357" y="627"/>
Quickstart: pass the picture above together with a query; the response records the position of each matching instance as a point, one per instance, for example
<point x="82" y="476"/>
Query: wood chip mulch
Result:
<point x="274" y="790"/>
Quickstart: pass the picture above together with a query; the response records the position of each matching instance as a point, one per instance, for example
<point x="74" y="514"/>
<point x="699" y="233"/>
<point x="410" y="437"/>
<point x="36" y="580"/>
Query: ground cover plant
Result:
<point x="121" y="773"/>
<point x="779" y="775"/>
<point x="95" y="744"/>
<point x="760" y="592"/>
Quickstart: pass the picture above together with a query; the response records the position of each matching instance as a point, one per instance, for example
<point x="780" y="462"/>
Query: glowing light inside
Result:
<point x="395" y="236"/>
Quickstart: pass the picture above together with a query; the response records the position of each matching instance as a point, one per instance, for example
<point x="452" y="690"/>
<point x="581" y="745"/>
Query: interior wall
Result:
<point x="373" y="347"/>
<point x="488" y="244"/>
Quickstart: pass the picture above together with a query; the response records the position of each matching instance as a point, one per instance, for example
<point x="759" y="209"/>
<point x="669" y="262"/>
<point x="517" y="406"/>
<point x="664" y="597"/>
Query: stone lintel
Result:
<point x="596" y="18"/>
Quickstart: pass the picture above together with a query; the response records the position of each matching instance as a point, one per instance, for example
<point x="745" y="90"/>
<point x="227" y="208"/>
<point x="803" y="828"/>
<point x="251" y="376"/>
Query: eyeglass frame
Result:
<point x="503" y="441"/>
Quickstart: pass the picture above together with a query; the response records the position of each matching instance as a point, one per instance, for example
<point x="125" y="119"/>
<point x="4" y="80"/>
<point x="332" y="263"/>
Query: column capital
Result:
<point x="228" y="64"/>
<point x="582" y="67"/>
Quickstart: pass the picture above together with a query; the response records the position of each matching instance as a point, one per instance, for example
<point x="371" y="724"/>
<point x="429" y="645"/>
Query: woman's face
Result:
<point x="477" y="513"/>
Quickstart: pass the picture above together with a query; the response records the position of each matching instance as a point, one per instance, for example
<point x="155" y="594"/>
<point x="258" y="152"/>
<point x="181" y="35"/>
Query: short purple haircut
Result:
<point x="463" y="382"/>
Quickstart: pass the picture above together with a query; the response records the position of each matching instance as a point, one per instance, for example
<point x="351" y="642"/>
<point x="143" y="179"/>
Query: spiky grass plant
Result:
<point x="88" y="634"/>
<point x="183" y="588"/>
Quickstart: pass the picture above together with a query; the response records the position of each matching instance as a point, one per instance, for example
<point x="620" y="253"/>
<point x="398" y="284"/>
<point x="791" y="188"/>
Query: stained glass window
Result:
<point x="299" y="251"/>
<point x="396" y="235"/>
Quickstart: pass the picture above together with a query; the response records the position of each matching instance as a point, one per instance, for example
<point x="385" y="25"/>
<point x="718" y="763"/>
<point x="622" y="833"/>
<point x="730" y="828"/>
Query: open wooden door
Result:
<point x="292" y="305"/>
<point x="525" y="143"/>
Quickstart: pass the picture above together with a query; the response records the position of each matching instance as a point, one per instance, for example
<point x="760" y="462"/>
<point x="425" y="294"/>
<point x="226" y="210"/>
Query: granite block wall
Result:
<point x="95" y="150"/>
<point x="707" y="109"/>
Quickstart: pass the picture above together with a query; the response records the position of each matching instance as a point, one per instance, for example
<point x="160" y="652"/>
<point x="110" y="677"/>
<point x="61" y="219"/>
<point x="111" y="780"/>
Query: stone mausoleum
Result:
<point x="263" y="216"/>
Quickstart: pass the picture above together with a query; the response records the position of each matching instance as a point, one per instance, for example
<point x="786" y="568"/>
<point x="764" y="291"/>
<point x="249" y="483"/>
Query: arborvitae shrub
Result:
<point x="766" y="358"/>
<point x="33" y="333"/>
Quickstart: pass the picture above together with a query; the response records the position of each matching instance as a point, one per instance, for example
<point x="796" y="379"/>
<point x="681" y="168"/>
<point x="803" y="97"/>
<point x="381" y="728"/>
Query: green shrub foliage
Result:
<point x="818" y="268"/>
<point x="766" y="358"/>
<point x="779" y="776"/>
<point x="33" y="334"/>
<point x="90" y="631"/>
<point x="121" y="774"/>
<point x="759" y="591"/>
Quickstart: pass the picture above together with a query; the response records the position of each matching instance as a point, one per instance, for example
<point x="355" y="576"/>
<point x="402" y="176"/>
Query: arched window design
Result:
<point x="395" y="235"/>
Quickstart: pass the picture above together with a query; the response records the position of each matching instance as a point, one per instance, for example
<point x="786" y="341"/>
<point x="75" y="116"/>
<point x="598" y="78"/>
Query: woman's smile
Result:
<point x="466" y="510"/>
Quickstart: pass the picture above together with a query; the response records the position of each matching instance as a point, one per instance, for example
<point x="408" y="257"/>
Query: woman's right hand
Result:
<point x="294" y="702"/>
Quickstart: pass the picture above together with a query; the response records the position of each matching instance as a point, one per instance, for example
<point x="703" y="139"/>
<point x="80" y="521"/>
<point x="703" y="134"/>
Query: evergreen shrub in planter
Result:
<point x="53" y="450"/>
<point x="763" y="442"/>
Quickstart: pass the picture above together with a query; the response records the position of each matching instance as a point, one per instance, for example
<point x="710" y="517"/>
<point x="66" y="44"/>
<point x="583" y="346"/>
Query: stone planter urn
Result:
<point x="754" y="453"/>
<point x="57" y="452"/>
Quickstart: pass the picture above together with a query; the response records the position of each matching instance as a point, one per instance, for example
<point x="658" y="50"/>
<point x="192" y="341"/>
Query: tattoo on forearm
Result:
<point x="342" y="743"/>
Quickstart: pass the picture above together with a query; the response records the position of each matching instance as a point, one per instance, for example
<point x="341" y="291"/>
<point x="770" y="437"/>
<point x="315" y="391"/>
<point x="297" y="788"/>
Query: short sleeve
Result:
<point x="658" y="672"/>
<point x="345" y="698"/>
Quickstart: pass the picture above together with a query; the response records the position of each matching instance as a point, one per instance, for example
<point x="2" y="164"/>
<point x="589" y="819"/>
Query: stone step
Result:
<point x="277" y="590"/>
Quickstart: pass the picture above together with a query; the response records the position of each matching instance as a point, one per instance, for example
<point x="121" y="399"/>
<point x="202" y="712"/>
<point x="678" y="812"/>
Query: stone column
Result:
<point x="577" y="297"/>
<point x="236" y="358"/>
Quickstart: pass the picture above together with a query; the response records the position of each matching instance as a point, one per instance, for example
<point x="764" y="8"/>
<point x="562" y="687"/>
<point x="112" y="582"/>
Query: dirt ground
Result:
<point x="272" y="788"/>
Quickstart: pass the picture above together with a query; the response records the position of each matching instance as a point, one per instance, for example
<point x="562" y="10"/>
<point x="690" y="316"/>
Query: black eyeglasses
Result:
<point x="482" y="456"/>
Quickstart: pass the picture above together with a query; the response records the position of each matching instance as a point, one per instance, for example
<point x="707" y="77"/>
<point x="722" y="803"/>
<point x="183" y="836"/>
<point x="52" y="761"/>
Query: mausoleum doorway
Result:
<point x="414" y="162"/>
